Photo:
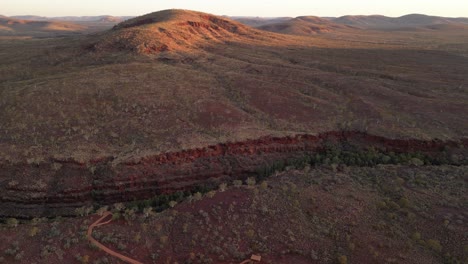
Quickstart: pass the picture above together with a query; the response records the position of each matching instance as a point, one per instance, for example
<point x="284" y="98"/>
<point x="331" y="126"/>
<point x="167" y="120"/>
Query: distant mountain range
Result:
<point x="259" y="21"/>
<point x="383" y="22"/>
<point x="303" y="25"/>
<point x="38" y="26"/>
<point x="307" y="25"/>
<point x="111" y="19"/>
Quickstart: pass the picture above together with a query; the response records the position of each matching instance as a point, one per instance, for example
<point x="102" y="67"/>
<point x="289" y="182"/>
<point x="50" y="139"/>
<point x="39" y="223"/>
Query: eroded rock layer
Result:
<point x="59" y="187"/>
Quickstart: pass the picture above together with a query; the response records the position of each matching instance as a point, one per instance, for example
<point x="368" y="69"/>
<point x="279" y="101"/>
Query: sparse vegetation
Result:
<point x="88" y="121"/>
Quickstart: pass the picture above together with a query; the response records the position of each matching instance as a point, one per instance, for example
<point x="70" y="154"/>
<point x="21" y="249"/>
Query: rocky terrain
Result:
<point x="209" y="140"/>
<point x="319" y="214"/>
<point x="62" y="187"/>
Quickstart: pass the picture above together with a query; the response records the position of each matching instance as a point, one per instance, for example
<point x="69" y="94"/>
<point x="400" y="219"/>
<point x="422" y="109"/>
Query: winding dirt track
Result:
<point x="101" y="246"/>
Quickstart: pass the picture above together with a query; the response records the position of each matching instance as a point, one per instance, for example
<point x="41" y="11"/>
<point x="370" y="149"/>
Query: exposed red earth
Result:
<point x="65" y="185"/>
<point x="381" y="214"/>
<point x="148" y="119"/>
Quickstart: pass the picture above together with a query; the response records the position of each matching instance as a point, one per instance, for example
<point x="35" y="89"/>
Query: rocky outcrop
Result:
<point x="58" y="187"/>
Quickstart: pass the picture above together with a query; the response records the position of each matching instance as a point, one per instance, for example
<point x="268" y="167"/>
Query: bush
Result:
<point x="33" y="232"/>
<point x="237" y="183"/>
<point x="434" y="245"/>
<point x="197" y="196"/>
<point x="404" y="202"/>
<point x="12" y="222"/>
<point x="147" y="211"/>
<point x="416" y="162"/>
<point x="416" y="236"/>
<point x="250" y="181"/>
<point x="102" y="210"/>
<point x="222" y="187"/>
<point x="342" y="259"/>
<point x="119" y="207"/>
<point x="172" y="204"/>
<point x="163" y="239"/>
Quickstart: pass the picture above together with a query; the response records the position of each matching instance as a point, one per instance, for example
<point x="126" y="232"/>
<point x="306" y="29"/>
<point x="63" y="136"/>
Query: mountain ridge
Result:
<point x="311" y="25"/>
<point x="304" y="25"/>
<point x="73" y="18"/>
<point x="172" y="30"/>
<point x="383" y="22"/>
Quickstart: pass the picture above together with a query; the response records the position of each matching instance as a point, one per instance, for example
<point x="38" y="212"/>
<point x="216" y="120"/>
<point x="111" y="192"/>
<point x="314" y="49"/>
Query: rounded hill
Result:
<point x="172" y="30"/>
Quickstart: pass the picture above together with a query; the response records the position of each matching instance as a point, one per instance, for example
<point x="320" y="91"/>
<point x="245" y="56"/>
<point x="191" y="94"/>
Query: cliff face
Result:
<point x="57" y="187"/>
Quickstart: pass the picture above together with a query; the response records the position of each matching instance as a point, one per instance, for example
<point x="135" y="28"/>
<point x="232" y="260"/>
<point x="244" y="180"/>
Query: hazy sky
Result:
<point x="452" y="8"/>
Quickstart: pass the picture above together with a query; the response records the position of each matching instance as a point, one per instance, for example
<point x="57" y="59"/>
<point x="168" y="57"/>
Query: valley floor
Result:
<point x="327" y="214"/>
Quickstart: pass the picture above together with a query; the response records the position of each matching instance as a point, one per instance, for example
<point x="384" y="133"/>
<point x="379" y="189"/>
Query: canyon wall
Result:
<point x="59" y="187"/>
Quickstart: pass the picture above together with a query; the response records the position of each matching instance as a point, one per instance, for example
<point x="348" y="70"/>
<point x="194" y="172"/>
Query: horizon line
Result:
<point x="238" y="16"/>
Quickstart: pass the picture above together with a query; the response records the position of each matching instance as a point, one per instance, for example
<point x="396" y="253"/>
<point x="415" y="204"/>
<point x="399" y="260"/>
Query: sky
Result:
<point x="263" y="8"/>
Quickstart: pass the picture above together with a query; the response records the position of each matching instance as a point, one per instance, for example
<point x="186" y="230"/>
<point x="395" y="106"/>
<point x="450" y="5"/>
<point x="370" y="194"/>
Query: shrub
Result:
<point x="116" y="216"/>
<point x="119" y="206"/>
<point x="56" y="166"/>
<point x="197" y="196"/>
<point x="237" y="183"/>
<point x="381" y="205"/>
<point x="33" y="232"/>
<point x="250" y="233"/>
<point x="342" y="259"/>
<point x="129" y="214"/>
<point x="147" y="211"/>
<point x="250" y="181"/>
<point x="211" y="194"/>
<point x="434" y="245"/>
<point x="12" y="222"/>
<point x="19" y="256"/>
<point x="393" y="206"/>
<point x="80" y="211"/>
<point x="163" y="239"/>
<point x="416" y="162"/>
<point x="416" y="236"/>
<point x="137" y="237"/>
<point x="400" y="181"/>
<point x="222" y="187"/>
<point x="102" y="210"/>
<point x="404" y="202"/>
<point x="88" y="210"/>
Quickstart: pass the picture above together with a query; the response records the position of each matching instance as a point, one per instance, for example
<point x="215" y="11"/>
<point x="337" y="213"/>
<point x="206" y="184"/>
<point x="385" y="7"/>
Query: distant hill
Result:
<point x="30" y="17"/>
<point x="461" y="20"/>
<point x="407" y="21"/>
<point x="260" y="21"/>
<point x="310" y="25"/>
<point x="105" y="18"/>
<point x="38" y="26"/>
<point x="364" y="21"/>
<point x="304" y="25"/>
<point x="12" y="26"/>
<point x="111" y="19"/>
